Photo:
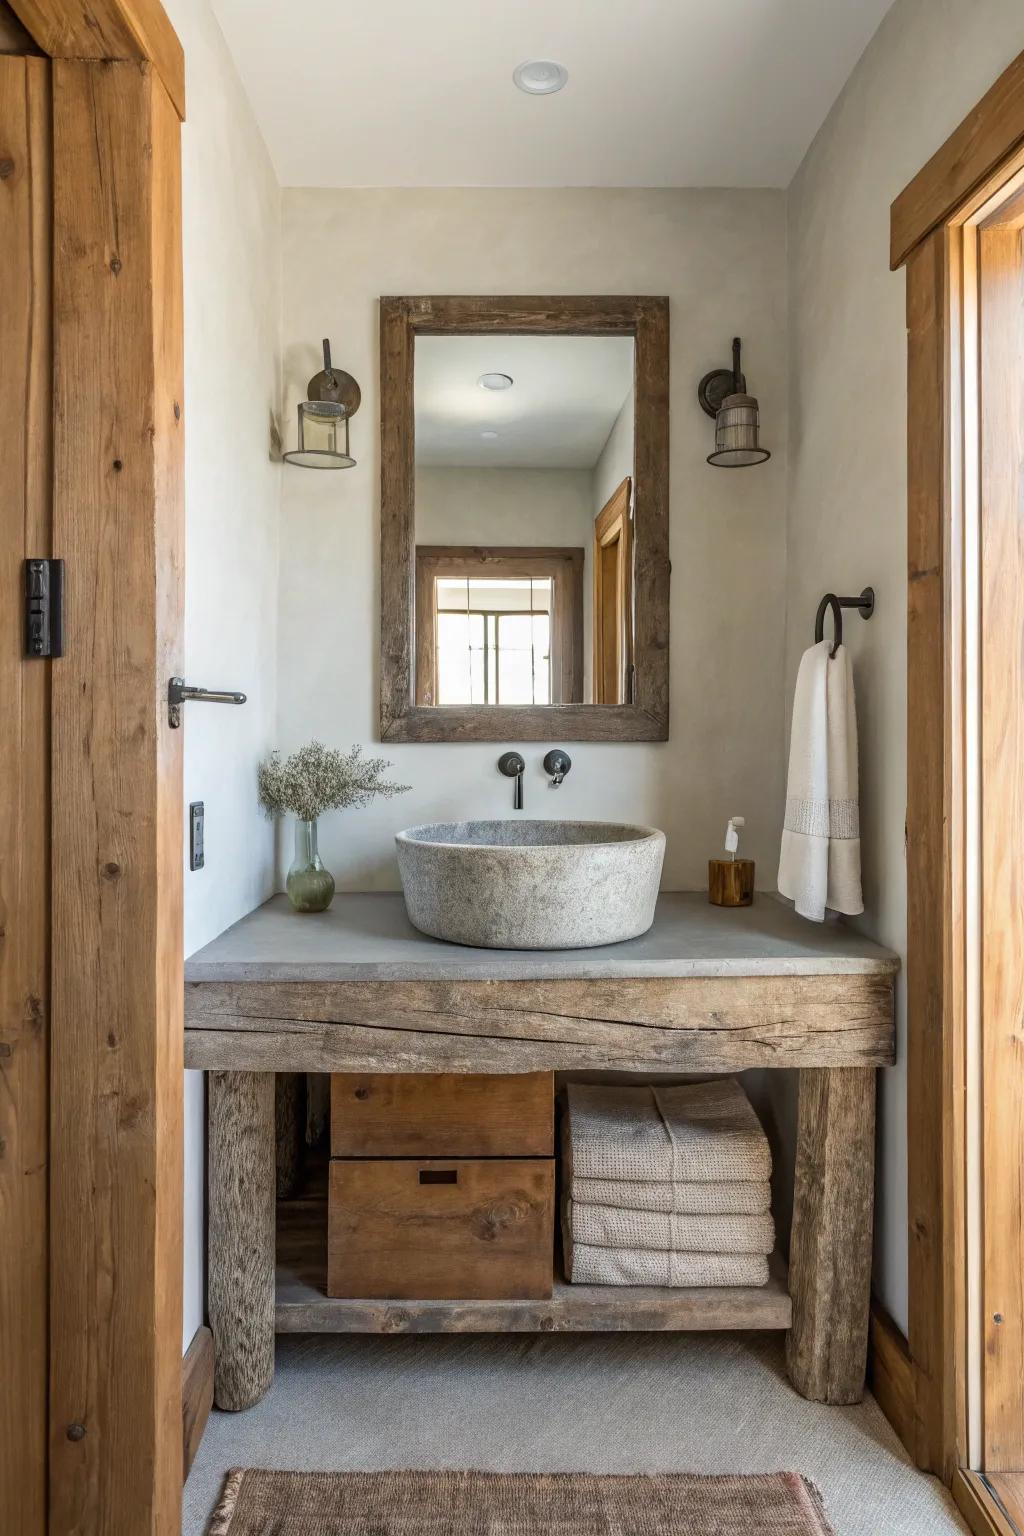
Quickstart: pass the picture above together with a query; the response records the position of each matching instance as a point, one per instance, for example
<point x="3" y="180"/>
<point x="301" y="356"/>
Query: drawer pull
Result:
<point x="439" y="1175"/>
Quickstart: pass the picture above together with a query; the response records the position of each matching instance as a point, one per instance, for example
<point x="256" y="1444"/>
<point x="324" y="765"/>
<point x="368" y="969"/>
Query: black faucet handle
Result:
<point x="557" y="764"/>
<point x="512" y="765"/>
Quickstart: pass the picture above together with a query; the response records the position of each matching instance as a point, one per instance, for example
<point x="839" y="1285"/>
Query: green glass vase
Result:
<point x="309" y="885"/>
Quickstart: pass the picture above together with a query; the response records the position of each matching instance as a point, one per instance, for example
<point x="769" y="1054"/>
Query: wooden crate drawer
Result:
<point x="458" y="1114"/>
<point x="449" y="1229"/>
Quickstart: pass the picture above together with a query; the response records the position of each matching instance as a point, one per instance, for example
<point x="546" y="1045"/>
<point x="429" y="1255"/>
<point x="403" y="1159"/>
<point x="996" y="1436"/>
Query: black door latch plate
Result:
<point x="44" y="608"/>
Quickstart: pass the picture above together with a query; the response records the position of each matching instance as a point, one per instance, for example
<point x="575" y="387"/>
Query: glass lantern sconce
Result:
<point x="723" y="394"/>
<point x="332" y="399"/>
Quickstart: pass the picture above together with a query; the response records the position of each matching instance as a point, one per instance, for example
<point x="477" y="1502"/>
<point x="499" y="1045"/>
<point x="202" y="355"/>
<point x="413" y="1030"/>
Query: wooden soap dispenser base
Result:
<point x="731" y="880"/>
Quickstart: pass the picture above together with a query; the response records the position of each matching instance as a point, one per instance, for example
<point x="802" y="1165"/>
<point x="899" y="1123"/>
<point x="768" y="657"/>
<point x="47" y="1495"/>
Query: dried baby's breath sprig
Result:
<point x="317" y="778"/>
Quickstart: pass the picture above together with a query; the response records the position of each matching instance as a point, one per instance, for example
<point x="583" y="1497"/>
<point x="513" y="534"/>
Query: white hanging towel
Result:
<point x="819" y="866"/>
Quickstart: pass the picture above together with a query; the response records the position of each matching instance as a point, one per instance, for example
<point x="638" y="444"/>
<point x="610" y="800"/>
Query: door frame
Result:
<point x="928" y="223"/>
<point x="616" y="514"/>
<point x="97" y="1068"/>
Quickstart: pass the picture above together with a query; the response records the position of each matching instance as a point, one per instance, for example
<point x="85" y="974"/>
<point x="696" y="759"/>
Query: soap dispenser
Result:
<point x="731" y="880"/>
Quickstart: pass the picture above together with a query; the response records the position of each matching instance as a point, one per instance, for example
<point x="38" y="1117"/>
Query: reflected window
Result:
<point x="499" y="626"/>
<point x="493" y="641"/>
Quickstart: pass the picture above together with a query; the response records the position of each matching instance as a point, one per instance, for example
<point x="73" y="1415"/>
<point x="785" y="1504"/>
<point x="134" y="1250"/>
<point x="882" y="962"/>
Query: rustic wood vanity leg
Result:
<point x="830" y="1248"/>
<point x="241" y="1234"/>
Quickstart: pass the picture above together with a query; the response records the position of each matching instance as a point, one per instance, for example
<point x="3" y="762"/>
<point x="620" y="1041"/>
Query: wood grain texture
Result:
<point x="109" y="29"/>
<point x="731" y="882"/>
<point x="241" y="1235"/>
<point x="977" y="1501"/>
<point x="116" y="1066"/>
<point x="942" y="390"/>
<point x="303" y="1305"/>
<point x="14" y="37"/>
<point x="936" y="1055"/>
<point x="646" y="319"/>
<point x="891" y="1375"/>
<point x="389" y="1114"/>
<point x="413" y="1229"/>
<point x="971" y="154"/>
<point x="289" y="1130"/>
<point x="1001" y="313"/>
<point x="831" y="1242"/>
<point x="196" y="1395"/>
<point x="656" y="1024"/>
<point x="1007" y="1488"/>
<point x="26" y="474"/>
<point x="562" y="567"/>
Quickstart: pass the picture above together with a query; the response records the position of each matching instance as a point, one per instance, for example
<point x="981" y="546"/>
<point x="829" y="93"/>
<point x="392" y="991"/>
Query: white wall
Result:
<point x="928" y="64"/>
<point x="232" y="258"/>
<point x="727" y="530"/>
<point x="504" y="506"/>
<point x="616" y="461"/>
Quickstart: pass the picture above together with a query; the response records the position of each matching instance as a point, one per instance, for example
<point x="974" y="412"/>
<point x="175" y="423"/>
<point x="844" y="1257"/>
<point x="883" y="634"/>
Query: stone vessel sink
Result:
<point x="531" y="884"/>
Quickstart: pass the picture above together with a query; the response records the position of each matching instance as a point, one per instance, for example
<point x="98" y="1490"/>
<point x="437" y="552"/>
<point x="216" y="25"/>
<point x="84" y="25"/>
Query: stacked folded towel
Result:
<point x="666" y="1186"/>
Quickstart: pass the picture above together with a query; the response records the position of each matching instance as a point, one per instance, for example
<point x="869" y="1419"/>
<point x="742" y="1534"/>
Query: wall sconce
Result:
<point x="723" y="394"/>
<point x="332" y="398"/>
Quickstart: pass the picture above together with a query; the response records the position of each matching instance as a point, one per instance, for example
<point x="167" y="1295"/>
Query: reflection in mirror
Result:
<point x="523" y="519"/>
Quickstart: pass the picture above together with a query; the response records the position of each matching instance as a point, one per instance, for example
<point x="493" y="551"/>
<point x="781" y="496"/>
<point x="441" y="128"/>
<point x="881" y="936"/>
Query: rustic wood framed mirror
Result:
<point x="524" y="519"/>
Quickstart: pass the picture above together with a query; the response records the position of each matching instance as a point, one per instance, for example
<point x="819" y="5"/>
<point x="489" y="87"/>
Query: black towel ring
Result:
<point x="864" y="604"/>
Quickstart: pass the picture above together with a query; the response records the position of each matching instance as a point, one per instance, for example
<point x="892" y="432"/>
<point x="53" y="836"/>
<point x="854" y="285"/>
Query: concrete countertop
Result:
<point x="368" y="937"/>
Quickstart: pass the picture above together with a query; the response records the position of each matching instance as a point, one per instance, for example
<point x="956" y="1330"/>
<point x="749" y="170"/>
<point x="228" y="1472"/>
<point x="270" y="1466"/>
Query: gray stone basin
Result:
<point x="531" y="884"/>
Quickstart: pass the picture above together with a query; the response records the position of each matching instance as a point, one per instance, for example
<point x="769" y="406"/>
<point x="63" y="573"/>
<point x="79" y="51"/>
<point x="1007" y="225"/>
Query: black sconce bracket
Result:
<point x="714" y="386"/>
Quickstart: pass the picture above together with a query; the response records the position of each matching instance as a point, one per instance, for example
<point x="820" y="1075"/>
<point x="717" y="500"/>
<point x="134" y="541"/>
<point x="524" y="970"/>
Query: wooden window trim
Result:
<point x="959" y="172"/>
<point x="562" y="567"/>
<point x="646" y="319"/>
<point x="985" y="154"/>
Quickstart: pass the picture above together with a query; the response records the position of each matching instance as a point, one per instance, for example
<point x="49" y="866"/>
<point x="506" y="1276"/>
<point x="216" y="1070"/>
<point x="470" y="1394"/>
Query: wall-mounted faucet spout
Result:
<point x="513" y="767"/>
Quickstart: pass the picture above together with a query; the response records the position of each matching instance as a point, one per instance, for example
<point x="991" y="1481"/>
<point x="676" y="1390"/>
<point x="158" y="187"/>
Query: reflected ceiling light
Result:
<point x="540" y="77"/>
<point x="495" y="381"/>
<point x="490" y="436"/>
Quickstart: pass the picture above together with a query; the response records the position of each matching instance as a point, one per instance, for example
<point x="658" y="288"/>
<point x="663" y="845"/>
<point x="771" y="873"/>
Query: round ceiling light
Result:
<point x="495" y="381"/>
<point x="490" y="436"/>
<point x="540" y="77"/>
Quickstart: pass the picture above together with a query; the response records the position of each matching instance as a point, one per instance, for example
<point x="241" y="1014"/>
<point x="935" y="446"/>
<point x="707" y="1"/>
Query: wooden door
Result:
<point x="91" y="969"/>
<point x="1000" y="310"/>
<point x="25" y="533"/>
<point x="613" y="599"/>
<point x="117" y="1010"/>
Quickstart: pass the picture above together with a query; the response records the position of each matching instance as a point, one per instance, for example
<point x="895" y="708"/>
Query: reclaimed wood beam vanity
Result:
<point x="706" y="990"/>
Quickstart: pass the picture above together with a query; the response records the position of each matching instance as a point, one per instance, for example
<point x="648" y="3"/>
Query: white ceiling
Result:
<point x="566" y="393"/>
<point x="682" y="93"/>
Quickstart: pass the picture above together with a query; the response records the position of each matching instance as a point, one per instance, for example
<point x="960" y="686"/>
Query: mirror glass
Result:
<point x="523" y="519"/>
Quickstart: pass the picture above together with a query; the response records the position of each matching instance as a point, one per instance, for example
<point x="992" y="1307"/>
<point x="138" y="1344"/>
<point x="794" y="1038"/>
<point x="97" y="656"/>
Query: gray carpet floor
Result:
<point x="578" y="1402"/>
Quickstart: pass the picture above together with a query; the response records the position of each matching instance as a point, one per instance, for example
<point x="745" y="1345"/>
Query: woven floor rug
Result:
<point x="495" y="1504"/>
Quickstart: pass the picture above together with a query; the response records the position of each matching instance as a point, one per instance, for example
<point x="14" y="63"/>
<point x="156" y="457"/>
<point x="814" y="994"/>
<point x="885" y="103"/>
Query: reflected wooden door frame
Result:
<point x="613" y="526"/>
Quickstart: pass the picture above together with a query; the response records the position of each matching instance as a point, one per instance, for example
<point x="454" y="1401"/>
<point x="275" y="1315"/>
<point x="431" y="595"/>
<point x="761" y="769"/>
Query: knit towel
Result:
<point x="739" y="1198"/>
<point x="604" y="1226"/>
<point x="703" y="1133"/>
<point x="624" y="1266"/>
